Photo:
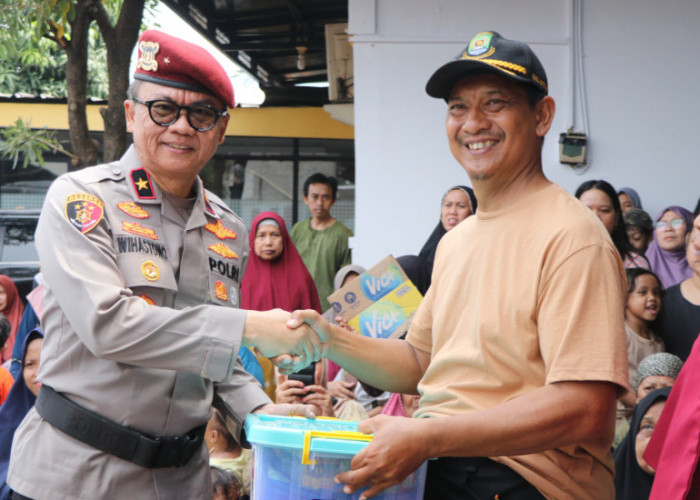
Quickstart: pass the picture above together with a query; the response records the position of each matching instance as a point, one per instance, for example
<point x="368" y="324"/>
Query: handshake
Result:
<point x="292" y="341"/>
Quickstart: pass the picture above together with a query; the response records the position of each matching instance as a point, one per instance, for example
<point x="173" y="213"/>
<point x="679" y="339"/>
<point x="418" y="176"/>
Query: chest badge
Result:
<point x="136" y="228"/>
<point x="220" y="290"/>
<point x="150" y="271"/>
<point x="220" y="231"/>
<point x="132" y="209"/>
<point x="84" y="211"/>
<point x="223" y="250"/>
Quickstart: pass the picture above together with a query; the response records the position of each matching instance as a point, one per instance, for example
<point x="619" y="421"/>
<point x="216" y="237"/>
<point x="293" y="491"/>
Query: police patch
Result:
<point x="221" y="231"/>
<point x="84" y="211"/>
<point x="132" y="209"/>
<point x="148" y="300"/>
<point x="136" y="228"/>
<point x="150" y="270"/>
<point x="223" y="250"/>
<point x="142" y="184"/>
<point x="220" y="289"/>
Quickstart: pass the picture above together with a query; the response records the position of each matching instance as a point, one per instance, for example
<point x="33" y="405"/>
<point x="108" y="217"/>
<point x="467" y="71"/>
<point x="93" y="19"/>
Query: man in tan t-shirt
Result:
<point x="518" y="348"/>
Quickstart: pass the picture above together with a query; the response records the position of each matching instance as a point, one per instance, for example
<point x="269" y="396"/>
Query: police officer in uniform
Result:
<point x="143" y="269"/>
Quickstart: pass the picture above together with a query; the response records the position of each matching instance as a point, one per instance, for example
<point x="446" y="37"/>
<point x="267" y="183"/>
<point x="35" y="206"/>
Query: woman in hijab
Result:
<point x="629" y="199"/>
<point x="20" y="400"/>
<point x="458" y="203"/>
<point x="633" y="476"/>
<point x="11" y="306"/>
<point x="666" y="253"/>
<point x="275" y="277"/>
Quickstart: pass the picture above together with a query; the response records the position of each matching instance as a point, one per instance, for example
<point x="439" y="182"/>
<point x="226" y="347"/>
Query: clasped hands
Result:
<point x="292" y="341"/>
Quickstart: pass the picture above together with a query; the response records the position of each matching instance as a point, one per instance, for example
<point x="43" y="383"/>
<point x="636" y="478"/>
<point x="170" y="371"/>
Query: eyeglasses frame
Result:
<point x="149" y="105"/>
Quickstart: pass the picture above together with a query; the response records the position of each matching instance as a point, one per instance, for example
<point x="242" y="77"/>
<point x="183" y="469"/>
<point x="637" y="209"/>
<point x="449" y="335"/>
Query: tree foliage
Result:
<point x="80" y="46"/>
<point x="19" y="140"/>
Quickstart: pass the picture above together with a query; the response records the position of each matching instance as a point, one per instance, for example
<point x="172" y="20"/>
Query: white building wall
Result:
<point x="642" y="71"/>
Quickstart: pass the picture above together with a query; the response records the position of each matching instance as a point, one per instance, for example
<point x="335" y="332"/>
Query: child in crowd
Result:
<point x="643" y="305"/>
<point x="641" y="310"/>
<point x="225" y="485"/>
<point x="227" y="454"/>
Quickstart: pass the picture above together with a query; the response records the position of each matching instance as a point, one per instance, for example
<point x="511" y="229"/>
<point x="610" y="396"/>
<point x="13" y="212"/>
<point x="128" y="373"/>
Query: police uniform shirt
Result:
<point x="141" y="326"/>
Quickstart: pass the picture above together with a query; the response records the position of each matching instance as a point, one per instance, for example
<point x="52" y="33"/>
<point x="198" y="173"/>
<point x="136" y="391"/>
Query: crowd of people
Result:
<point x="528" y="337"/>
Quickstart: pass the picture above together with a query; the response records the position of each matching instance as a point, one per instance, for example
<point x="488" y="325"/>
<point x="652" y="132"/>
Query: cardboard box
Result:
<point x="380" y="303"/>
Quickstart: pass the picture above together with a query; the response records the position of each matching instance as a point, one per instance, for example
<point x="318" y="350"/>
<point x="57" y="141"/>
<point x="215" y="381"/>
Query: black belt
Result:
<point x="118" y="440"/>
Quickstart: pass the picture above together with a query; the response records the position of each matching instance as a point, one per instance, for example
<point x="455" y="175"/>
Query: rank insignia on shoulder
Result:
<point x="84" y="211"/>
<point x="148" y="300"/>
<point x="150" y="271"/>
<point x="221" y="292"/>
<point x="136" y="228"/>
<point x="223" y="250"/>
<point x="131" y="208"/>
<point x="142" y="184"/>
<point x="220" y="230"/>
<point x="207" y="205"/>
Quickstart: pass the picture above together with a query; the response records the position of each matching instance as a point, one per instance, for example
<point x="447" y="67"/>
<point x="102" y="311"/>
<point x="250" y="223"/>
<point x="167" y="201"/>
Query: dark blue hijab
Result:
<point x="19" y="401"/>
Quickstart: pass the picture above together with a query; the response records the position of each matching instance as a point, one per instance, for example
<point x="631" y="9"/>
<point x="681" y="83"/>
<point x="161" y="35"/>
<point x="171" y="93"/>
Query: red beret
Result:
<point x="170" y="61"/>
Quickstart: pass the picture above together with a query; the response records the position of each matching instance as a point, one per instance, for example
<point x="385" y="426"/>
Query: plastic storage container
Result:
<point x="296" y="458"/>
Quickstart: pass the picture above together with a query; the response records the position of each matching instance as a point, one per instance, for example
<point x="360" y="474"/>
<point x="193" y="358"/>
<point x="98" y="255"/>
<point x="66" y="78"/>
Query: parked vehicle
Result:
<point x="18" y="256"/>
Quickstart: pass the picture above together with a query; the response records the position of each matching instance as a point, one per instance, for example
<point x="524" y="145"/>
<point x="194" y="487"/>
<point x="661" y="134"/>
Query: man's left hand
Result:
<point x="397" y="450"/>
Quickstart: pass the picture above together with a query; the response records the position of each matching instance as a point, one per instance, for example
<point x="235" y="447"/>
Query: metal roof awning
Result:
<point x="281" y="43"/>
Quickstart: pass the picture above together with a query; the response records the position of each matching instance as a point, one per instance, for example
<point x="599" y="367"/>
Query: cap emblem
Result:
<point x="480" y="45"/>
<point x="147" y="61"/>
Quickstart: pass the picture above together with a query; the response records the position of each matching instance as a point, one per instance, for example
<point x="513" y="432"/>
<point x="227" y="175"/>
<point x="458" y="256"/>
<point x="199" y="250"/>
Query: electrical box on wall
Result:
<point x="572" y="148"/>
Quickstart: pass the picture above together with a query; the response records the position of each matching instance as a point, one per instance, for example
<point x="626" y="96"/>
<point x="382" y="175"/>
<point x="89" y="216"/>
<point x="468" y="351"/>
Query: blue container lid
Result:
<point x="324" y="435"/>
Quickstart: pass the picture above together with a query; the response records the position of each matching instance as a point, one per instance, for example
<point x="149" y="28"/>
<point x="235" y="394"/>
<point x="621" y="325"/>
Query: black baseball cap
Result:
<point x="489" y="51"/>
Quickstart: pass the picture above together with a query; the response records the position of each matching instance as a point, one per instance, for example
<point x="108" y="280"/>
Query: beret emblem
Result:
<point x="147" y="61"/>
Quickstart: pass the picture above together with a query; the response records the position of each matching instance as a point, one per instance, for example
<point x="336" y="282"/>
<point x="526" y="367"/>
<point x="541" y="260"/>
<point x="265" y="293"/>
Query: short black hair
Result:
<point x="5" y="329"/>
<point x="319" y="178"/>
<point x="635" y="272"/>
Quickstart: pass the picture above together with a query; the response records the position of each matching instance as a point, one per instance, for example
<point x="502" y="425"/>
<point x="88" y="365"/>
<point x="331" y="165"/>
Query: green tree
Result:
<point x="66" y="24"/>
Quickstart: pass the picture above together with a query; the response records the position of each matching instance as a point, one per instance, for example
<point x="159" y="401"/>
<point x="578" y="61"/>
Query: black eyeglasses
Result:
<point x="165" y="113"/>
